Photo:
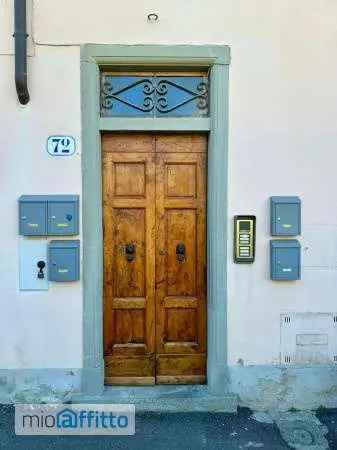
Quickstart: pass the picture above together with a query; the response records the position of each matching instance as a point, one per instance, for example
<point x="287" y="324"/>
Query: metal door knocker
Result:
<point x="130" y="250"/>
<point x="180" y="252"/>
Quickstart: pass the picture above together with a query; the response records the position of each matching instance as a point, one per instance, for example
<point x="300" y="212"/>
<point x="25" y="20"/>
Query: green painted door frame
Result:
<point x="216" y="59"/>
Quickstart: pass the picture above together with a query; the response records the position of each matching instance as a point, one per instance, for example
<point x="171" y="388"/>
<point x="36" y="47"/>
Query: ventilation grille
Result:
<point x="287" y="319"/>
<point x="287" y="359"/>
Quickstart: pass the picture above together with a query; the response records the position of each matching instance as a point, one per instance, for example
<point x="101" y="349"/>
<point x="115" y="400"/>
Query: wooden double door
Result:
<point x="154" y="204"/>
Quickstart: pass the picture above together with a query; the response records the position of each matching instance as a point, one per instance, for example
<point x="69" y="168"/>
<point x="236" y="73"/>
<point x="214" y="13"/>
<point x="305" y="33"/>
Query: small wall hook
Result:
<point x="152" y="17"/>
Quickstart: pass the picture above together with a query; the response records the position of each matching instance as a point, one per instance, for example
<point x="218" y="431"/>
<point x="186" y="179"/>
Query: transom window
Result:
<point x="154" y="95"/>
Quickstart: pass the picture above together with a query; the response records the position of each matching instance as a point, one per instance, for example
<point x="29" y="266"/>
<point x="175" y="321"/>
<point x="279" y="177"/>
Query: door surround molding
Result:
<point x="216" y="59"/>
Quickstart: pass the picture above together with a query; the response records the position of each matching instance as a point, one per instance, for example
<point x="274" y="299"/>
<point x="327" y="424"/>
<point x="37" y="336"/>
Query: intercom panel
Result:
<point x="244" y="239"/>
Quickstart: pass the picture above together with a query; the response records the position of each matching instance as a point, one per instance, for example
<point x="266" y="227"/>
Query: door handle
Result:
<point x="130" y="250"/>
<point x="180" y="252"/>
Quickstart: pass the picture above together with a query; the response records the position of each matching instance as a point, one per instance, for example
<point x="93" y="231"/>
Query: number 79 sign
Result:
<point x="61" y="145"/>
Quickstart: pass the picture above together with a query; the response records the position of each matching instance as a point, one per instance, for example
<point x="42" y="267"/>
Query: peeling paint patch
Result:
<point x="267" y="387"/>
<point x="39" y="386"/>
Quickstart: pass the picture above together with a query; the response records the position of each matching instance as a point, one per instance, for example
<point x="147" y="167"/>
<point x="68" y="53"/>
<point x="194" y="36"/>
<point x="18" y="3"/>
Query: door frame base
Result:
<point x="216" y="59"/>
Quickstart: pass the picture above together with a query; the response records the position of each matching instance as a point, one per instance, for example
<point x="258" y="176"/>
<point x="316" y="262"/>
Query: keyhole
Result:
<point x="41" y="265"/>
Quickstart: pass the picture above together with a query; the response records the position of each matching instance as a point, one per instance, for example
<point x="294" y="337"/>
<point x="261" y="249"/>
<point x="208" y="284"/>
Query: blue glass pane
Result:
<point x="127" y="96"/>
<point x="134" y="96"/>
<point x="181" y="96"/>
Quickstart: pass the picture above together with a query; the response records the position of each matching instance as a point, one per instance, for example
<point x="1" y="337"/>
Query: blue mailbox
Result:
<point x="32" y="215"/>
<point x="285" y="216"/>
<point x="64" y="260"/>
<point x="49" y="215"/>
<point x="63" y="215"/>
<point x="285" y="260"/>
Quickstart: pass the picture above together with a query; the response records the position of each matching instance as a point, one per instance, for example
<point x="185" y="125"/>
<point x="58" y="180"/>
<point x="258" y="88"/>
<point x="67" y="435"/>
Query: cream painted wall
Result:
<point x="282" y="141"/>
<point x="38" y="329"/>
<point x="7" y="27"/>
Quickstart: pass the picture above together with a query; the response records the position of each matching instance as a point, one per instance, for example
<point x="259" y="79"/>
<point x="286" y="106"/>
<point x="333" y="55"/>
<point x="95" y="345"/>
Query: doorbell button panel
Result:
<point x="244" y="239"/>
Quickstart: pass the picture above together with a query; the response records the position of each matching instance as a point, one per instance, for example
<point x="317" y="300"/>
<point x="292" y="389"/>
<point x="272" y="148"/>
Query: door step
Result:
<point x="164" y="399"/>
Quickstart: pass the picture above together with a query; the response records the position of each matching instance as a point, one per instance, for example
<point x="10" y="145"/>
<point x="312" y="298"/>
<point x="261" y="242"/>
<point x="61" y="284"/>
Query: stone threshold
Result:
<point x="163" y="398"/>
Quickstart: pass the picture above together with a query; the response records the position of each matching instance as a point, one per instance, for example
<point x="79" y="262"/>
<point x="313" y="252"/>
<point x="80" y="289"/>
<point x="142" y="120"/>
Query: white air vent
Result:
<point x="308" y="338"/>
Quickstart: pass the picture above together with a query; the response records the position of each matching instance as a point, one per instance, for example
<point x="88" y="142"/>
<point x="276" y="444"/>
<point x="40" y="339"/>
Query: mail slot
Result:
<point x="285" y="260"/>
<point x="64" y="260"/>
<point x="285" y="216"/>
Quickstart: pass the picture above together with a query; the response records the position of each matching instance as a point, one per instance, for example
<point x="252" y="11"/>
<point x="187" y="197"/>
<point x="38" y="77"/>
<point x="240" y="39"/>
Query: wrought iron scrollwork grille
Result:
<point x="154" y="96"/>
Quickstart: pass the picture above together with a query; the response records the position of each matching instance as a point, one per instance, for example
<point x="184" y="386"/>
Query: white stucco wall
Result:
<point x="7" y="27"/>
<point x="38" y="329"/>
<point x="282" y="141"/>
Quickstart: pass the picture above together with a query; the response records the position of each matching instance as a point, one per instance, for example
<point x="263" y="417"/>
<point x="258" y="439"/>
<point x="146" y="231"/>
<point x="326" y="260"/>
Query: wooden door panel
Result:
<point x="128" y="142"/>
<point x="129" y="370"/>
<point x="129" y="307"/>
<point x="130" y="180"/>
<point x="180" y="283"/>
<point x="129" y="277"/>
<point x="180" y="228"/>
<point x="181" y="369"/>
<point x="154" y="304"/>
<point x="180" y="180"/>
<point x="181" y="143"/>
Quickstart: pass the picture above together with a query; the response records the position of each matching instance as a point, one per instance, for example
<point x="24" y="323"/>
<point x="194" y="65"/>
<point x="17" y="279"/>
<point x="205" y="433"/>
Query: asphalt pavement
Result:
<point x="187" y="431"/>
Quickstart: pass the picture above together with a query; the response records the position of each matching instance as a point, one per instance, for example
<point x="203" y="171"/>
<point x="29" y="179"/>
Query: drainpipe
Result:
<point x="20" y="36"/>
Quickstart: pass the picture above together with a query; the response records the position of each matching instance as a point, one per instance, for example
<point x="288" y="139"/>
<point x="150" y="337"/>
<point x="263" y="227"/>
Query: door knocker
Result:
<point x="180" y="252"/>
<point x="130" y="250"/>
